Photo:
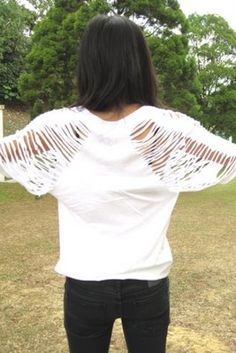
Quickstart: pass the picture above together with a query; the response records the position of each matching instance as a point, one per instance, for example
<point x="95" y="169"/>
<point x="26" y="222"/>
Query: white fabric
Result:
<point x="116" y="183"/>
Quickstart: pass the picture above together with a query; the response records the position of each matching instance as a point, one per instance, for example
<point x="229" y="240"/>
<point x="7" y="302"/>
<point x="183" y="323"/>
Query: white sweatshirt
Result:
<point x="116" y="183"/>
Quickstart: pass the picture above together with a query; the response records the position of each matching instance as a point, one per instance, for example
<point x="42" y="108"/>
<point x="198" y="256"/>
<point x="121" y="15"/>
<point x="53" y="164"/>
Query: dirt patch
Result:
<point x="184" y="340"/>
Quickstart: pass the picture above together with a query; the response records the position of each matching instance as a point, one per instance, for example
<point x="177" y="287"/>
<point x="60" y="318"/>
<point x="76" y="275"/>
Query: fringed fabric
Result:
<point x="183" y="154"/>
<point x="36" y="155"/>
<point x="180" y="152"/>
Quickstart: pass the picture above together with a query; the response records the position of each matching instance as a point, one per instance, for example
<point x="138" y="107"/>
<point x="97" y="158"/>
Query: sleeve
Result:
<point x="183" y="154"/>
<point x="36" y="155"/>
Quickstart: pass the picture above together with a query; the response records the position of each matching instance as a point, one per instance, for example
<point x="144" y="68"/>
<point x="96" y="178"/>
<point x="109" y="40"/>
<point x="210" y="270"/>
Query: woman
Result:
<point x="116" y="164"/>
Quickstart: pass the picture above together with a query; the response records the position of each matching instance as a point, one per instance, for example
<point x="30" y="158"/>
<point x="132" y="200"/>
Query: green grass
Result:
<point x="13" y="192"/>
<point x="202" y="236"/>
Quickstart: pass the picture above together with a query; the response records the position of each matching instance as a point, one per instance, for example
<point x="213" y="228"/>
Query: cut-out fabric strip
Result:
<point x="181" y="153"/>
<point x="36" y="155"/>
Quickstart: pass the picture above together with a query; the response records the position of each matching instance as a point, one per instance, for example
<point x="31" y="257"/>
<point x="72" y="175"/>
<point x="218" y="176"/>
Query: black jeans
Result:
<point x="91" y="307"/>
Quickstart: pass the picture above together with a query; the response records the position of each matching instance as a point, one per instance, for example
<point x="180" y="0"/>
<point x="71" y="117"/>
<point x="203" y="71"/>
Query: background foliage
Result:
<point x="195" y="58"/>
<point x="213" y="45"/>
<point x="15" y="25"/>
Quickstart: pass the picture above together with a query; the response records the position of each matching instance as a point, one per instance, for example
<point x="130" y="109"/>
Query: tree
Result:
<point x="177" y="73"/>
<point x="15" y="22"/>
<point x="49" y="80"/>
<point x="166" y="28"/>
<point x="40" y="7"/>
<point x="221" y="112"/>
<point x="213" y="45"/>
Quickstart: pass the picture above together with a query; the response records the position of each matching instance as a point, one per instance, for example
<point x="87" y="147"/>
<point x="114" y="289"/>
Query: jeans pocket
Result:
<point x="82" y="310"/>
<point x="153" y="303"/>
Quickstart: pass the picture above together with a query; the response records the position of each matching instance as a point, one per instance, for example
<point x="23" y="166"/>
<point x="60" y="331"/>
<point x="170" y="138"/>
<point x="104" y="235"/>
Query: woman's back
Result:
<point x="116" y="164"/>
<point x="116" y="182"/>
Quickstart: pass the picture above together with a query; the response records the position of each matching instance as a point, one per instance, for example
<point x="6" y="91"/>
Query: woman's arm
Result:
<point x="183" y="154"/>
<point x="36" y="155"/>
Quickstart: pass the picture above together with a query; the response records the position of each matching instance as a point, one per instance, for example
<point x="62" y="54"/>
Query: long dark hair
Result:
<point x="114" y="66"/>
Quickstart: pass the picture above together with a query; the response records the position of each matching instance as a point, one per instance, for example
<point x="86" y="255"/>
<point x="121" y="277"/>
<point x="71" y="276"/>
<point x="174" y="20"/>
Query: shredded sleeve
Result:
<point x="183" y="154"/>
<point x="36" y="155"/>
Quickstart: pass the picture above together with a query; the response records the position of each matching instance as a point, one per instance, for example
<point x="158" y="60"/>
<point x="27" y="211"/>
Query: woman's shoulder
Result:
<point x="162" y="117"/>
<point x="55" y="113"/>
<point x="170" y="117"/>
<point x="55" y="116"/>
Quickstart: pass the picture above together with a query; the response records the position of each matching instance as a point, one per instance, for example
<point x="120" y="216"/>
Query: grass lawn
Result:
<point x="202" y="236"/>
